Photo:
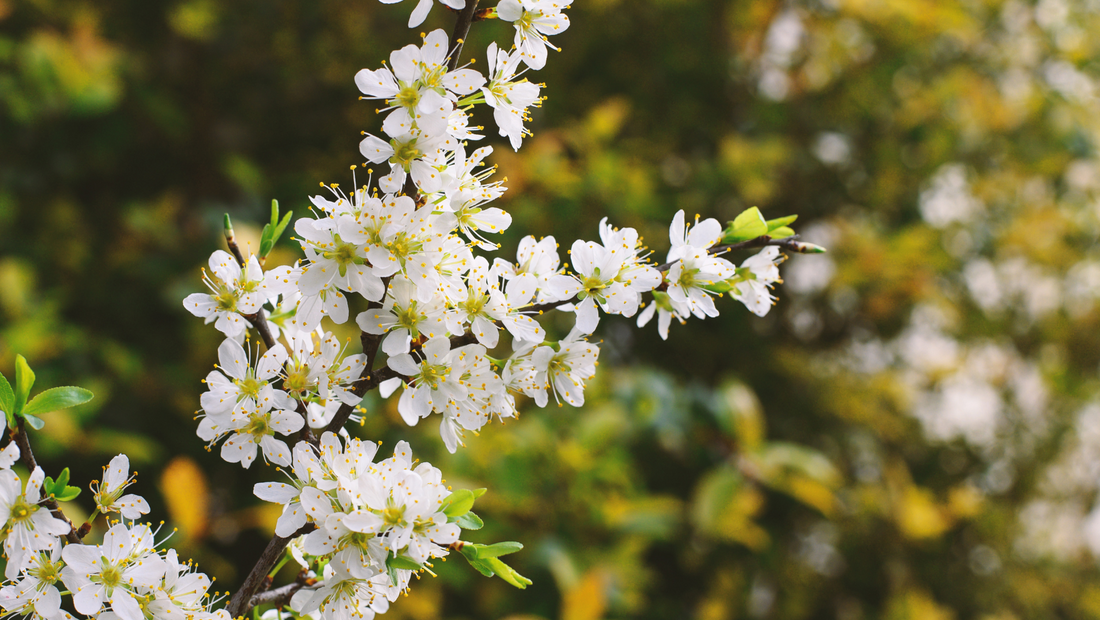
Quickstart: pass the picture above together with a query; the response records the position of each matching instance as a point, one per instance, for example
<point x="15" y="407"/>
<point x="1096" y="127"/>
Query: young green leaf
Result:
<point x="282" y="225"/>
<point x="507" y="573"/>
<point x="498" y="549"/>
<point x="470" y="521"/>
<point x="274" y="212"/>
<point x="63" y="478"/>
<point x="58" y="398"/>
<point x="24" y="380"/>
<point x="460" y="502"/>
<point x="34" y="421"/>
<point x="478" y="492"/>
<point x="68" y="495"/>
<point x="780" y="223"/>
<point x="7" y="396"/>
<point x="402" y="562"/>
<point x="749" y="225"/>
<point x="781" y="233"/>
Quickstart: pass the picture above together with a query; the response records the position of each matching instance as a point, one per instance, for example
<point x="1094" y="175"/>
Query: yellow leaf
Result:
<point x="919" y="516"/>
<point x="588" y="599"/>
<point x="184" y="488"/>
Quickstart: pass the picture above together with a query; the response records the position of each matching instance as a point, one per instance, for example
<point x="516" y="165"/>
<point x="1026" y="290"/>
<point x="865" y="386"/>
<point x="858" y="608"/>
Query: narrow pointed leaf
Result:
<point x="507" y="573"/>
<point x="7" y="395"/>
<point x="24" y="380"/>
<point x="780" y="223"/>
<point x="498" y="549"/>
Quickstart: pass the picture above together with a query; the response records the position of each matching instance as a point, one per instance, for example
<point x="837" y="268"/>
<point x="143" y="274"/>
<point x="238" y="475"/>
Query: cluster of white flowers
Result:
<point x="125" y="577"/>
<point x="402" y="254"/>
<point x="376" y="523"/>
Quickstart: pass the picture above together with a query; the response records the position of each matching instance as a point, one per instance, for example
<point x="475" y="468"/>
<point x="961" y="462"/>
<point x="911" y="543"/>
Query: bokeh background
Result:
<point x="912" y="432"/>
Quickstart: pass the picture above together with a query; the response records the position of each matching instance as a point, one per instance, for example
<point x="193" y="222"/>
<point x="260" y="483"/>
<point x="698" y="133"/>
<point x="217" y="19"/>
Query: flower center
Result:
<point x="404" y="153"/>
<point x="258" y="426"/>
<point x="21" y="510"/>
<point x="393" y="515"/>
<point x="227" y="301"/>
<point x="250" y="387"/>
<point x="110" y="576"/>
<point x="407" y="98"/>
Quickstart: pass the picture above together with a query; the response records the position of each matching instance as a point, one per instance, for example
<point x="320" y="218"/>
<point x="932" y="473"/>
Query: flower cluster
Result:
<point x="459" y="333"/>
<point x="123" y="577"/>
<point x="375" y="523"/>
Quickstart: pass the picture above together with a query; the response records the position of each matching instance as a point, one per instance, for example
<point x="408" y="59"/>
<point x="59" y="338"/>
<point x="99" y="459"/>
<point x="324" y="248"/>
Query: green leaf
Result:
<point x="478" y="492"/>
<point x="459" y="503"/>
<point x="266" y="242"/>
<point x="498" y="549"/>
<point x="402" y="562"/>
<point x="68" y="495"/>
<point x="55" y="399"/>
<point x="392" y="571"/>
<point x="282" y="225"/>
<point x="781" y="233"/>
<point x="274" y="212"/>
<point x="470" y="521"/>
<point x="482" y="567"/>
<point x="24" y="380"/>
<point x="7" y="396"/>
<point x="749" y="225"/>
<point x="781" y="222"/>
<point x="63" y="477"/>
<point x="34" y="421"/>
<point x="508" y="573"/>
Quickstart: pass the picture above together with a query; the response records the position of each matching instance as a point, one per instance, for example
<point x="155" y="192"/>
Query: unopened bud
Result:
<point x="806" y="248"/>
<point x="227" y="226"/>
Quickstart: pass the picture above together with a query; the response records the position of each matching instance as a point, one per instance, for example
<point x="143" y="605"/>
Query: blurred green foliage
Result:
<point x="913" y="432"/>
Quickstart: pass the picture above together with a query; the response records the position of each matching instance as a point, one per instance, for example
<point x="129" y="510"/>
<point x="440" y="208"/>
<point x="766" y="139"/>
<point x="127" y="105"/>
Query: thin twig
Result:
<point x="278" y="597"/>
<point x="462" y="28"/>
<point x="27" y="455"/>
<point x="241" y="602"/>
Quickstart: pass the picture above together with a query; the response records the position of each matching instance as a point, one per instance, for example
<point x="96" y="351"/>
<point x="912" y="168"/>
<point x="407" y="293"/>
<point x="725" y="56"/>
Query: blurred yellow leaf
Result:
<point x="724" y="507"/>
<point x="185" y="491"/>
<point x="588" y="599"/>
<point x="917" y="605"/>
<point x="740" y="415"/>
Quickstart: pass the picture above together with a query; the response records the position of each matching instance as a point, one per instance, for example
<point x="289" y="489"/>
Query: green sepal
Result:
<point x="7" y="396"/>
<point x="58" y="398"/>
<point x="459" y="503"/>
<point x="781" y="222"/>
<point x="24" y="381"/>
<point x="749" y="225"/>
<point x="469" y="521"/>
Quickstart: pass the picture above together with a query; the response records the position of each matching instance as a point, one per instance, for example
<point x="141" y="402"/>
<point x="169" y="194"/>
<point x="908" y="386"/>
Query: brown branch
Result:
<point x="241" y="602"/>
<point x="19" y="436"/>
<point x="462" y="28"/>
<point x="278" y="597"/>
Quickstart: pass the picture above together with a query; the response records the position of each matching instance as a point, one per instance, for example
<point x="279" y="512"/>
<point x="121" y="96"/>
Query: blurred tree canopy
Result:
<point x="913" y="432"/>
